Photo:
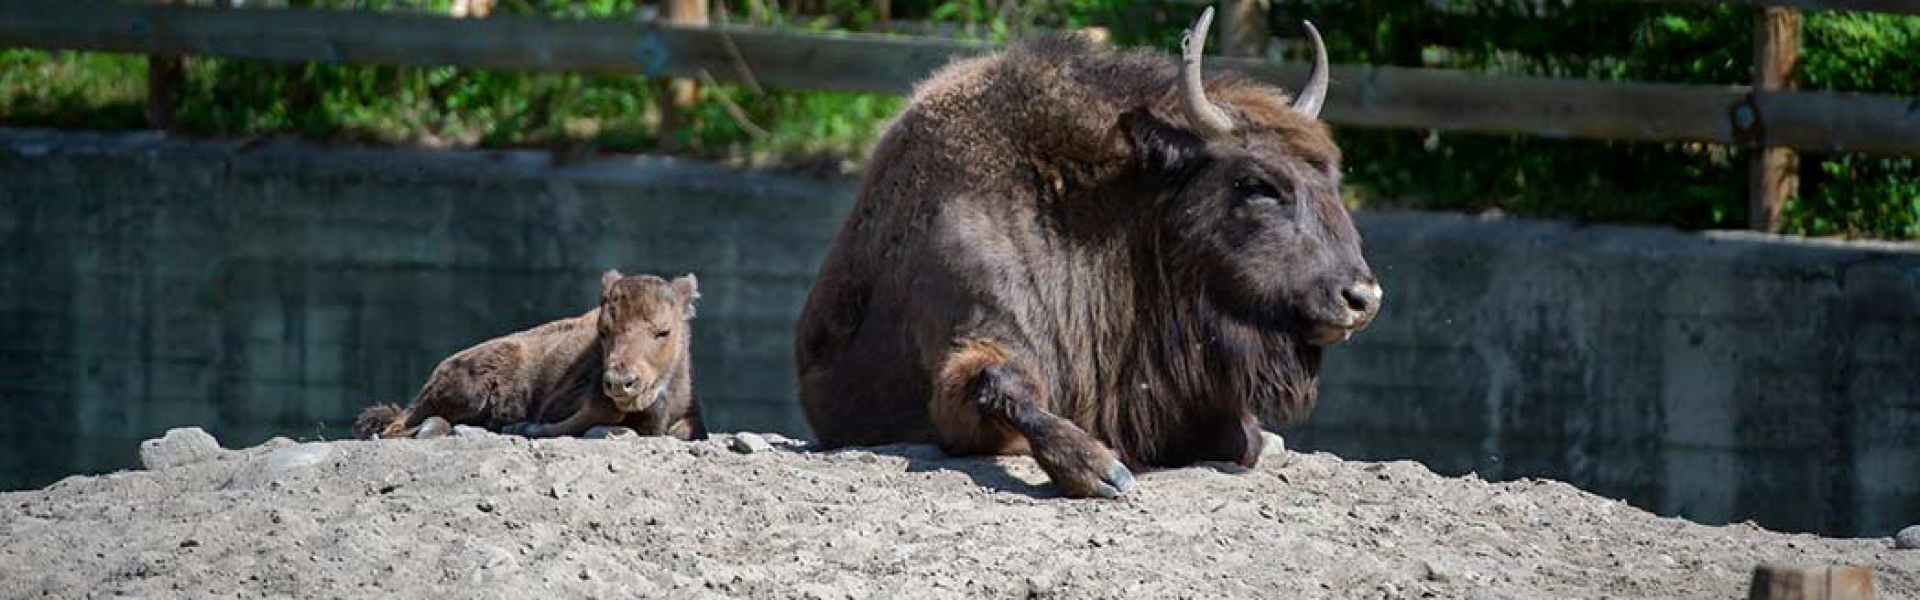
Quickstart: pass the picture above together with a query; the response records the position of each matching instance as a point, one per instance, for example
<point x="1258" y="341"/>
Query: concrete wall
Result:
<point x="1717" y="376"/>
<point x="275" y="290"/>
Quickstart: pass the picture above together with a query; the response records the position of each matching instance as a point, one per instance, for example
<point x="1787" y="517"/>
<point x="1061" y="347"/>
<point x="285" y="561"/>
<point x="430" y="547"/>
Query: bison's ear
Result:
<point x="607" y="279"/>
<point x="689" y="289"/>
<point x="1160" y="146"/>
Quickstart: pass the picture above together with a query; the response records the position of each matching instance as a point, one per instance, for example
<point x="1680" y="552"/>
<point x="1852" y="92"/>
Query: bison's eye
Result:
<point x="659" y="333"/>
<point x="1257" y="192"/>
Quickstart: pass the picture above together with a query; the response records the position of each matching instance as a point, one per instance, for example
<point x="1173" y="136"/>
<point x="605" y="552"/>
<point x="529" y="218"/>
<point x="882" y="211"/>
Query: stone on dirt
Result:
<point x="433" y="427"/>
<point x="750" y="443"/>
<point x="298" y="456"/>
<point x="499" y="516"/>
<point x="609" y="432"/>
<point x="1274" y="446"/>
<point x="180" y="446"/>
<point x="1908" y="539"/>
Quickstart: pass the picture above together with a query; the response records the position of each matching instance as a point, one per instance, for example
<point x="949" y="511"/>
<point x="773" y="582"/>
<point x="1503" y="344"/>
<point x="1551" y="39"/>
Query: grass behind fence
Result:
<point x="1681" y="184"/>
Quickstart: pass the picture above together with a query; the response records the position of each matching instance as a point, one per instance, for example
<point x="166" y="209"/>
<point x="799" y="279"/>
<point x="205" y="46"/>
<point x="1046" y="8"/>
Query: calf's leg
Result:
<point x="593" y="411"/>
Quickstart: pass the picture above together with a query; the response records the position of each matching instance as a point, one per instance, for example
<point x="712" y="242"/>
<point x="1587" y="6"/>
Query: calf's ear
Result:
<point x="1161" y="147"/>
<point x="607" y="279"/>
<point x="688" y="287"/>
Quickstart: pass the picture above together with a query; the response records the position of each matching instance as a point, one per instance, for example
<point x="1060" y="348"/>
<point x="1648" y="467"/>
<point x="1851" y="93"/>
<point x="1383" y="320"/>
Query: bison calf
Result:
<point x="626" y="363"/>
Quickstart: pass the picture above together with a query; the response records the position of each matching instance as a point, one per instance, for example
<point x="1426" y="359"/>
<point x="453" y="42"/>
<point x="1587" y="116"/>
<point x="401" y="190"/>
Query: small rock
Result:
<point x="1390" y="591"/>
<point x="781" y="441"/>
<point x="750" y="443"/>
<point x="609" y="432"/>
<point x="180" y="446"/>
<point x="1437" y="573"/>
<point x="470" y="431"/>
<point x="485" y="505"/>
<point x="297" y="456"/>
<point x="699" y="449"/>
<point x="1908" y="539"/>
<point x="1274" y="445"/>
<point x="433" y="427"/>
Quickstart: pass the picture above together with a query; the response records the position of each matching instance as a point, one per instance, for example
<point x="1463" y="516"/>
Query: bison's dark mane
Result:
<point x="1141" y="357"/>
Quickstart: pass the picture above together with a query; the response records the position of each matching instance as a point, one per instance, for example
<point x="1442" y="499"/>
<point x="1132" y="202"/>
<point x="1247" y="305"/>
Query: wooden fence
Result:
<point x="1770" y="117"/>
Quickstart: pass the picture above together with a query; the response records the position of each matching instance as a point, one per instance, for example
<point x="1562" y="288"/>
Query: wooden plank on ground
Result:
<point x="1785" y="582"/>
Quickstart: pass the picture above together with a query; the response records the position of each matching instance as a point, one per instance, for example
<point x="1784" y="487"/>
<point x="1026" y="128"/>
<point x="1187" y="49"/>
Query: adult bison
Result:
<point x="1089" y="255"/>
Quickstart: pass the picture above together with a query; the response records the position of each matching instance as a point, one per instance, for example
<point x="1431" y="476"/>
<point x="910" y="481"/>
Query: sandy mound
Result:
<point x="496" y="516"/>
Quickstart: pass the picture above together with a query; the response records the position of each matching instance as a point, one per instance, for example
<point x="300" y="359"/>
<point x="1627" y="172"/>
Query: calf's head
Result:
<point x="644" y="332"/>
<point x="1252" y="199"/>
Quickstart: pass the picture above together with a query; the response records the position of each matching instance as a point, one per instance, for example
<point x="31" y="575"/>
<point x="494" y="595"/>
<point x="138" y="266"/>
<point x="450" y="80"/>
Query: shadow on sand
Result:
<point x="984" y="470"/>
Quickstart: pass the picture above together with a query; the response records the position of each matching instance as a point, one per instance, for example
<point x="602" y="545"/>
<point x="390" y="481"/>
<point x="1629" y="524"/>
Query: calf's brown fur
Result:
<point x="626" y="363"/>
<point x="1065" y="250"/>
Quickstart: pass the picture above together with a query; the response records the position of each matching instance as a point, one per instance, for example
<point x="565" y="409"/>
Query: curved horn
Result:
<point x="1315" y="94"/>
<point x="1208" y="120"/>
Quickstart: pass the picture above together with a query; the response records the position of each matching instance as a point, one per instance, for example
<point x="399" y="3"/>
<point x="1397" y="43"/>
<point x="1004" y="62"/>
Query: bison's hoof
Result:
<point x="1091" y="473"/>
<point x="1119" y="477"/>
<point x="1112" y="482"/>
<point x="1109" y="484"/>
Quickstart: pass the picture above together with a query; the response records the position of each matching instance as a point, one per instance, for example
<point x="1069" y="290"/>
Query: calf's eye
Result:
<point x="659" y="333"/>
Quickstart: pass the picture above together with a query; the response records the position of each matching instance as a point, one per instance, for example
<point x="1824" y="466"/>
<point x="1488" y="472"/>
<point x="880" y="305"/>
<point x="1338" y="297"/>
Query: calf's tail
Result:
<point x="380" y="420"/>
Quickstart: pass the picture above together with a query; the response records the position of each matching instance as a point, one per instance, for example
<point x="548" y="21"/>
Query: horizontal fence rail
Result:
<point x="1438" y="99"/>
<point x="1910" y="7"/>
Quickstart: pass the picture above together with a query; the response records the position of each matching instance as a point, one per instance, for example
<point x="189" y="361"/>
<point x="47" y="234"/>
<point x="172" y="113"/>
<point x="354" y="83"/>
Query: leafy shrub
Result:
<point x="1682" y="184"/>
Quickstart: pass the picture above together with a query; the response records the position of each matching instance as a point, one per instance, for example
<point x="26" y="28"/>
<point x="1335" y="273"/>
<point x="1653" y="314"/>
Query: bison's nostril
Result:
<point x="620" y="381"/>
<point x="1362" y="298"/>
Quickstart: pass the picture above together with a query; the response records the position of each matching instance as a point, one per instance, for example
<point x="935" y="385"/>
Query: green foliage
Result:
<point x="1680" y="184"/>
<point x="1686" y="185"/>
<point x="72" y="89"/>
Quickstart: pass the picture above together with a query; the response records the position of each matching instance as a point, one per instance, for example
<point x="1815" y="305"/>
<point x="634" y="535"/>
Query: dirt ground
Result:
<point x="491" y="516"/>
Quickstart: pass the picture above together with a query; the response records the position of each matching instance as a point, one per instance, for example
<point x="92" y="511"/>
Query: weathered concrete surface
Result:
<point x="1717" y="376"/>
<point x="275" y="290"/>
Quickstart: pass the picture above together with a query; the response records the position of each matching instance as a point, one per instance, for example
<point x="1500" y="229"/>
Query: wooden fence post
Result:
<point x="1773" y="172"/>
<point x="1783" y="582"/>
<point x="166" y="74"/>
<point x="1243" y="28"/>
<point x="679" y="93"/>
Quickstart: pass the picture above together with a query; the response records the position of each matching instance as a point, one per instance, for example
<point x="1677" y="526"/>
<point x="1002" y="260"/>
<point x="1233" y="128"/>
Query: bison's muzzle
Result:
<point x="1354" y="310"/>
<point x="633" y="393"/>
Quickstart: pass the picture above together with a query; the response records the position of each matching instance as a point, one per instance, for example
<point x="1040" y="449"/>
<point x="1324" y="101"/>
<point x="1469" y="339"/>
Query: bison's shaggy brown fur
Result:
<point x="627" y="362"/>
<point x="1046" y="258"/>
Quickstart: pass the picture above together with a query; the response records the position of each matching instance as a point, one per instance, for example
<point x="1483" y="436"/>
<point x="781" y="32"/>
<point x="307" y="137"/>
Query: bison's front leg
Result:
<point x="593" y="411"/>
<point x="991" y="408"/>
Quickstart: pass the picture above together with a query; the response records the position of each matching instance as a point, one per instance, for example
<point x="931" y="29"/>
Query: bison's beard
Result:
<point x="1265" y="358"/>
